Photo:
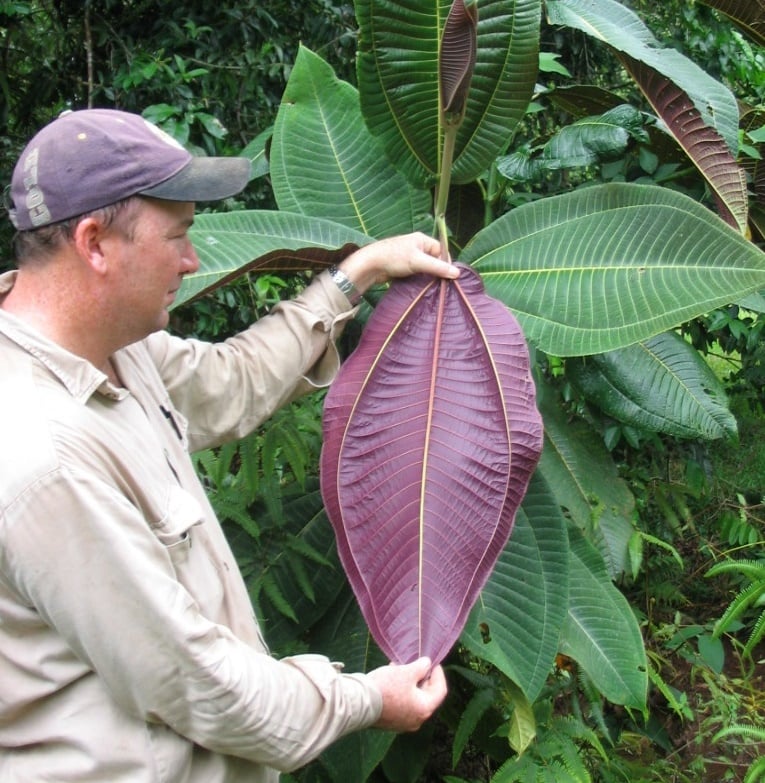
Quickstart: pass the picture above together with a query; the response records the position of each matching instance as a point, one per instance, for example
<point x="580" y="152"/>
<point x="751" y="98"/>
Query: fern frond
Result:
<point x="752" y="569"/>
<point x="293" y="450"/>
<point x="249" y="467"/>
<point x="275" y="596"/>
<point x="302" y="547"/>
<point x="475" y="709"/>
<point x="743" y="600"/>
<point x="476" y="679"/>
<point x="567" y="733"/>
<point x="746" y="730"/>
<point x="678" y="706"/>
<point x="226" y="509"/>
<point x="559" y="772"/>
<point x="595" y="702"/>
<point x="756" y="771"/>
<point x="297" y="566"/>
<point x="571" y="728"/>
<point x="757" y="633"/>
<point x="518" y="770"/>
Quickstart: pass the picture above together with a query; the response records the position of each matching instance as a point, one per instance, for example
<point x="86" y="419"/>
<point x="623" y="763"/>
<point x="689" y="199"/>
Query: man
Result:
<point x="128" y="647"/>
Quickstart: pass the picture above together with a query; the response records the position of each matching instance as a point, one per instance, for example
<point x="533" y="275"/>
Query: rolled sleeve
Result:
<point x="240" y="382"/>
<point x="106" y="586"/>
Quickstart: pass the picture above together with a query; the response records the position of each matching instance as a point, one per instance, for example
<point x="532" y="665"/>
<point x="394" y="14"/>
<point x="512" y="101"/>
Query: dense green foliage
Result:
<point x="214" y="76"/>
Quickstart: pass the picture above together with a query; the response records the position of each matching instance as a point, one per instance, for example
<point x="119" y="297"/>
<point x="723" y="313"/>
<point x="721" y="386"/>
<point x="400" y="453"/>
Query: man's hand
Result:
<point x="408" y="698"/>
<point x="398" y="256"/>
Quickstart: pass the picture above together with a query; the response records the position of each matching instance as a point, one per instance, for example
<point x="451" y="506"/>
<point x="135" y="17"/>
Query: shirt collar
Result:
<point x="78" y="375"/>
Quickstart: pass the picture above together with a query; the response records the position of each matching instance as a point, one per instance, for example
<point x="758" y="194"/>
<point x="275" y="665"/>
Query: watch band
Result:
<point x="343" y="282"/>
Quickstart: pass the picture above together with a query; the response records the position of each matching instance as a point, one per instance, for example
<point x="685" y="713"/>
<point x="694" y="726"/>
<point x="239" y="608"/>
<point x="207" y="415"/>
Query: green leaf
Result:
<point x="324" y="161"/>
<point x="480" y="702"/>
<point x="523" y="724"/>
<point x="585" y="142"/>
<point x="548" y="63"/>
<point x="601" y="633"/>
<point x="703" y="144"/>
<point x="609" y="265"/>
<point x="232" y="243"/>
<point x="310" y="535"/>
<point x="697" y="110"/>
<point x="343" y="634"/>
<point x="662" y="384"/>
<point x="355" y="756"/>
<point x="586" y="484"/>
<point x="275" y="595"/>
<point x="621" y="28"/>
<point x="255" y="152"/>
<point x="517" y="619"/>
<point x="398" y="81"/>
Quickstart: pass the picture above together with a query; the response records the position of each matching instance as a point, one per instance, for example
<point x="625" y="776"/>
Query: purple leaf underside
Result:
<point x="431" y="434"/>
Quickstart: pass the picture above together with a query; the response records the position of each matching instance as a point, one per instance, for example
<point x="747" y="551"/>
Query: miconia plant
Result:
<point x="594" y="276"/>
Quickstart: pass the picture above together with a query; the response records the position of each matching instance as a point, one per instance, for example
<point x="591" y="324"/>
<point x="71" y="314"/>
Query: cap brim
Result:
<point x="204" y="179"/>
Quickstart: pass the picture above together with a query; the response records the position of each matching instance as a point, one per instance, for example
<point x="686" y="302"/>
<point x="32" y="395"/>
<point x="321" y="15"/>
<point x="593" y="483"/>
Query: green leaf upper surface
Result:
<point x="232" y="243"/>
<point x="610" y="265"/>
<point x="397" y="74"/>
<point x="662" y="384"/>
<point x="601" y="633"/>
<point x="584" y="142"/>
<point x="324" y="161"/>
<point x="516" y="622"/>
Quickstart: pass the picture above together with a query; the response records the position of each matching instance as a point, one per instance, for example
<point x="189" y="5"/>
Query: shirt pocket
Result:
<point x="175" y="529"/>
<point x="183" y="533"/>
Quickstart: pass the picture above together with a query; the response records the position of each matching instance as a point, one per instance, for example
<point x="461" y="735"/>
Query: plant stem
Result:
<point x="442" y="190"/>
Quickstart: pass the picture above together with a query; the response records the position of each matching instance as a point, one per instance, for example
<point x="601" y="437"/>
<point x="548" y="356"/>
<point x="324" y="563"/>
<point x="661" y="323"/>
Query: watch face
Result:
<point x="343" y="282"/>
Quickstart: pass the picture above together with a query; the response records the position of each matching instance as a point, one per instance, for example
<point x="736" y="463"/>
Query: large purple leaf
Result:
<point x="431" y="434"/>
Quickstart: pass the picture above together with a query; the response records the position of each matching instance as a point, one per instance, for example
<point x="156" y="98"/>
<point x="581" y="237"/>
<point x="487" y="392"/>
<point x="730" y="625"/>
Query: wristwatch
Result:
<point x="343" y="282"/>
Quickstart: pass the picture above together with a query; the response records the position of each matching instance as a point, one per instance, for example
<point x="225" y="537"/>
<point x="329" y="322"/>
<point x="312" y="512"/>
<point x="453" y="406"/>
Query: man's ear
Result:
<point x="88" y="239"/>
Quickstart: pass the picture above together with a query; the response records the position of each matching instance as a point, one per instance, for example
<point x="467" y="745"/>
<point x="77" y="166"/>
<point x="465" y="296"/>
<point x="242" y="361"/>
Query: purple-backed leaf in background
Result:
<point x="431" y="434"/>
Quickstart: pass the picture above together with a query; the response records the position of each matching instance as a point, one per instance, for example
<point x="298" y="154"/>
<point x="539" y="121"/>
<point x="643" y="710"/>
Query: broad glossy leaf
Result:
<point x="703" y="144"/>
<point x="398" y="57"/>
<point x="255" y="151"/>
<point x="609" y="265"/>
<point x="662" y="384"/>
<point x="232" y="243"/>
<point x="355" y="756"/>
<point x="430" y="437"/>
<point x="622" y="29"/>
<point x="343" y="635"/>
<point x="754" y="302"/>
<point x="516" y="622"/>
<point x="699" y="112"/>
<point x="306" y="520"/>
<point x="582" y="143"/>
<point x="583" y="478"/>
<point x="601" y="633"/>
<point x="324" y="161"/>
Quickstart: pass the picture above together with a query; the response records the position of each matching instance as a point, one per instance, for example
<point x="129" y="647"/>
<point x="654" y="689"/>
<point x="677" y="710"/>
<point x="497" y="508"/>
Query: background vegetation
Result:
<point x="214" y="76"/>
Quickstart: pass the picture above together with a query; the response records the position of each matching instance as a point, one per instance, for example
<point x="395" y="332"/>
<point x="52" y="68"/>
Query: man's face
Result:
<point x="151" y="261"/>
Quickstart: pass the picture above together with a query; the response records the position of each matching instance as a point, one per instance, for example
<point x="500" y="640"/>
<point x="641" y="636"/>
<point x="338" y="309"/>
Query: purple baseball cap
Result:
<point x="88" y="159"/>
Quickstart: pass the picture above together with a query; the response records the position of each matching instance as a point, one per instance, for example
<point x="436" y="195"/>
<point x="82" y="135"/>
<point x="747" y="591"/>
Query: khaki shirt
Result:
<point x="128" y="647"/>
